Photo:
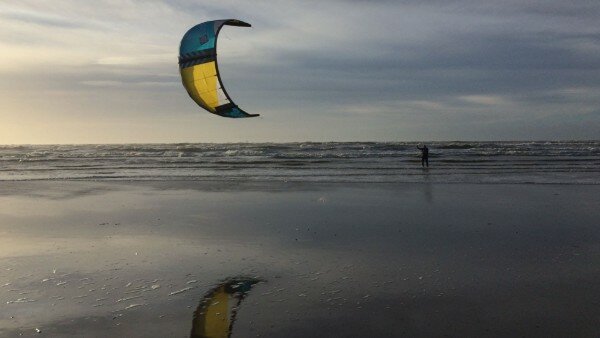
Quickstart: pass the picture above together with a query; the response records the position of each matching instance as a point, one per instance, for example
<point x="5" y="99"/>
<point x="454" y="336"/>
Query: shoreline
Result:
<point x="346" y="163"/>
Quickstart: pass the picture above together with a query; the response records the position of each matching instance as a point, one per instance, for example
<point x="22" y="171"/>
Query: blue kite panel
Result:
<point x="199" y="38"/>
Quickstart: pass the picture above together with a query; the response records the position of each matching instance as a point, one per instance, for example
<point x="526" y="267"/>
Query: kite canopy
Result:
<point x="199" y="69"/>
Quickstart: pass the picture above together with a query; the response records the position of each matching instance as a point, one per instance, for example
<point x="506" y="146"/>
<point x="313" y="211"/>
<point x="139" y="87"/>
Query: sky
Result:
<point x="106" y="71"/>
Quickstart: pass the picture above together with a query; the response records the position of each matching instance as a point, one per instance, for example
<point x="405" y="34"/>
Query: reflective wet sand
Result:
<point x="137" y="259"/>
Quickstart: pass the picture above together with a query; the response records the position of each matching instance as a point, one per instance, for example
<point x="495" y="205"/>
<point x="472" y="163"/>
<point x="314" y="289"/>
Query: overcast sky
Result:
<point x="106" y="71"/>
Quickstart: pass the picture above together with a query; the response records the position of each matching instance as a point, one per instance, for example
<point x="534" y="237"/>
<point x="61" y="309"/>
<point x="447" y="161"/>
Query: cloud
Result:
<point x="39" y="18"/>
<point x="424" y="63"/>
<point x="486" y="100"/>
<point x="136" y="60"/>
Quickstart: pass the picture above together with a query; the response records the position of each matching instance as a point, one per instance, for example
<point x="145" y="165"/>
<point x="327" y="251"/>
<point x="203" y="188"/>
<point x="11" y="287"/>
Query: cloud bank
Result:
<point x="106" y="71"/>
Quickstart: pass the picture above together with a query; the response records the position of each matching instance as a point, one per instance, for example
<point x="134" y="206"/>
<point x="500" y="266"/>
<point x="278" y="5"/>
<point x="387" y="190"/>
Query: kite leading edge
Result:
<point x="200" y="72"/>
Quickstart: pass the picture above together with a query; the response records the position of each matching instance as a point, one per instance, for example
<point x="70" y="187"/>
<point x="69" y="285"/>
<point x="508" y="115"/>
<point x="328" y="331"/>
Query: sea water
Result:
<point x="558" y="162"/>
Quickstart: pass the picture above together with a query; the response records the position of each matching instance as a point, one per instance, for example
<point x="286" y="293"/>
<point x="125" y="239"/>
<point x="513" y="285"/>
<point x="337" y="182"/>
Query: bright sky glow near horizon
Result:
<point x="340" y="70"/>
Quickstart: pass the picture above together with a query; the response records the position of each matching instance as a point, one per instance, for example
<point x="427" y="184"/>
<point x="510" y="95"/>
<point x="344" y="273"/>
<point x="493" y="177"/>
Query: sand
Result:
<point x="134" y="259"/>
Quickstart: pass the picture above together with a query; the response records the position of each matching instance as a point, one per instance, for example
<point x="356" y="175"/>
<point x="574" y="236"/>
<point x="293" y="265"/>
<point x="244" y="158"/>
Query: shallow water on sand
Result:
<point x="136" y="259"/>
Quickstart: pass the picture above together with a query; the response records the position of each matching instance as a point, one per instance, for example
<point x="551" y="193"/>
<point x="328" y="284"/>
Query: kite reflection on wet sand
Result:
<point x="215" y="315"/>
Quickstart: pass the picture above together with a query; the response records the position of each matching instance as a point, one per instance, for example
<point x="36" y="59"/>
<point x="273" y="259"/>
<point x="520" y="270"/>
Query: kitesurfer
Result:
<point x="424" y="155"/>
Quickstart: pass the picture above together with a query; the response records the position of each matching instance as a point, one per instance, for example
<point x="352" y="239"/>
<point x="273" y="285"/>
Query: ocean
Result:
<point x="544" y="162"/>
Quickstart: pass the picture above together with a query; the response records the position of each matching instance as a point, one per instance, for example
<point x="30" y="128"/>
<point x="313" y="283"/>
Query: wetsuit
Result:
<point x="424" y="156"/>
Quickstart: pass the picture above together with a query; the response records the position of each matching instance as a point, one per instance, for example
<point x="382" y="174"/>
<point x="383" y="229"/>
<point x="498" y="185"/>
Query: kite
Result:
<point x="200" y="72"/>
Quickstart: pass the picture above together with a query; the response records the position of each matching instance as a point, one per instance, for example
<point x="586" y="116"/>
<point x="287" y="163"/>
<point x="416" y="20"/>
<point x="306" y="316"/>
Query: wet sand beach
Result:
<point x="135" y="259"/>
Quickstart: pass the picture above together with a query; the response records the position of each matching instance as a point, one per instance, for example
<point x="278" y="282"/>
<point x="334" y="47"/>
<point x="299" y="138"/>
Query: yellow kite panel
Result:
<point x="202" y="84"/>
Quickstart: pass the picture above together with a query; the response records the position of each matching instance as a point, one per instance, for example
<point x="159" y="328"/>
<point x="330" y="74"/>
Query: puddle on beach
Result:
<point x="141" y="260"/>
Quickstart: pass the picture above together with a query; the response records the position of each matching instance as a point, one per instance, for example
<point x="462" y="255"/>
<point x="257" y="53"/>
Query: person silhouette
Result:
<point x="424" y="155"/>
